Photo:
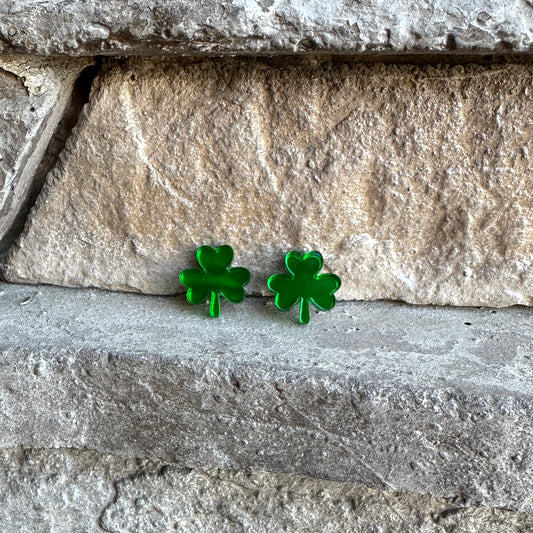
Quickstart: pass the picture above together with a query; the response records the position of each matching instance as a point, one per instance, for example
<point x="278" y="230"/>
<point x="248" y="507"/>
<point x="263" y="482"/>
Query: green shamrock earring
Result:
<point x="304" y="283"/>
<point x="215" y="278"/>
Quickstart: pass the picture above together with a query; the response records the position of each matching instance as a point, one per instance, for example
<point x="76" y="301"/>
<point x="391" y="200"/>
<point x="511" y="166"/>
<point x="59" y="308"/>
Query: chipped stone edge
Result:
<point x="58" y="75"/>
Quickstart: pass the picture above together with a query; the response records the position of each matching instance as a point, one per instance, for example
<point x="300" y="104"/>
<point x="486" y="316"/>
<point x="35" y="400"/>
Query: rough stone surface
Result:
<point x="395" y="397"/>
<point x="414" y="182"/>
<point x="188" y="27"/>
<point x="33" y="96"/>
<point x="75" y="491"/>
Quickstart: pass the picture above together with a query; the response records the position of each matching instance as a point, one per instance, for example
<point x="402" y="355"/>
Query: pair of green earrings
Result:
<point x="303" y="283"/>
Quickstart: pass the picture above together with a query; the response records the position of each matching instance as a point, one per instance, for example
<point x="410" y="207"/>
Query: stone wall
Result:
<point x="396" y="138"/>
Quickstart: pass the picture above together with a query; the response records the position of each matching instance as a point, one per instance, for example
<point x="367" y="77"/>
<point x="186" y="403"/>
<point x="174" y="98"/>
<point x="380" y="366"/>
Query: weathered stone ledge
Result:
<point x="396" y="397"/>
<point x="256" y="27"/>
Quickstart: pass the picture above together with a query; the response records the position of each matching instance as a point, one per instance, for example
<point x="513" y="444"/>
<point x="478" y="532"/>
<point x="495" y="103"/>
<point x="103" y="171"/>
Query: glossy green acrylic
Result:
<point x="304" y="283"/>
<point x="215" y="278"/>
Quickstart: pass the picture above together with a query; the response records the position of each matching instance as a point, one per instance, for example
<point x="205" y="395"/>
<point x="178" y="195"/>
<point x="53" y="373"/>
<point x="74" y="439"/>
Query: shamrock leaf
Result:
<point x="215" y="278"/>
<point x="304" y="284"/>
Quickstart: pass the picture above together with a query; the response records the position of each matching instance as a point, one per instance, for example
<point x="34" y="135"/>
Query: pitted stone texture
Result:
<point x="428" y="400"/>
<point x="33" y="96"/>
<point x="186" y="27"/>
<point x="70" y="491"/>
<point x="57" y="491"/>
<point x="414" y="182"/>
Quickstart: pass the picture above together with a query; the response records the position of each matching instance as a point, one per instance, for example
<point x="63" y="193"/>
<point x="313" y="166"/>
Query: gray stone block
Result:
<point x="395" y="397"/>
<point x="264" y="27"/>
<point x="75" y="491"/>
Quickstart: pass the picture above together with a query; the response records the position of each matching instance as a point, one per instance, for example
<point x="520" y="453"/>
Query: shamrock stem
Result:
<point x="214" y="304"/>
<point x="304" y="311"/>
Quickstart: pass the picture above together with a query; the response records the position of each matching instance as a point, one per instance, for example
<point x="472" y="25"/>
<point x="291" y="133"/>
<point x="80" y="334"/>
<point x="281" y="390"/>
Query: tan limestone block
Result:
<point x="414" y="182"/>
